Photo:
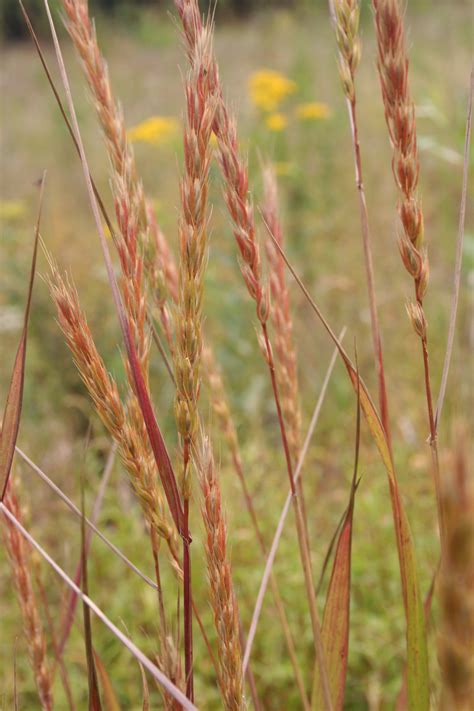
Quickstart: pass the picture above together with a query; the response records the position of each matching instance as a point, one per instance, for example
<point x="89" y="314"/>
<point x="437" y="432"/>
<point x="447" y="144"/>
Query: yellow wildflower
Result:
<point x="269" y="88"/>
<point x="12" y="210"/>
<point x="276" y="122"/>
<point x="284" y="168"/>
<point x="107" y="232"/>
<point x="157" y="206"/>
<point x="156" y="130"/>
<point x="312" y="111"/>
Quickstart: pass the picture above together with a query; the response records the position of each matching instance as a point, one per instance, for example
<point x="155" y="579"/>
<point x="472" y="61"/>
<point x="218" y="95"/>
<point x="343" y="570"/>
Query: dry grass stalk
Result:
<point x="221" y="408"/>
<point x="127" y="428"/>
<point x="200" y="107"/>
<point x="138" y="249"/>
<point x="239" y="204"/>
<point x="161" y="272"/>
<point x="456" y="589"/>
<point x="193" y="226"/>
<point x="137" y="246"/>
<point x="233" y="168"/>
<point x="222" y="594"/>
<point x="286" y="366"/>
<point x="400" y="118"/>
<point x="21" y="565"/>
<point x="134" y="214"/>
<point x="105" y="396"/>
<point x="346" y="24"/>
<point x="286" y="362"/>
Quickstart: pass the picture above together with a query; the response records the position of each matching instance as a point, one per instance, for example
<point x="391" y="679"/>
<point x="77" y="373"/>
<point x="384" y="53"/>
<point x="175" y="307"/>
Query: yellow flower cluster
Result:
<point x="276" y="122"/>
<point x="312" y="111"/>
<point x="156" y="130"/>
<point x="284" y="168"/>
<point x="12" y="210"/>
<point x="269" y="88"/>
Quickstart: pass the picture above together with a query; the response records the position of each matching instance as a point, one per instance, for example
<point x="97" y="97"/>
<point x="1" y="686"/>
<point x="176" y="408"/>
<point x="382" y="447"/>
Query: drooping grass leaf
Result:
<point x="12" y="412"/>
<point x="417" y="655"/>
<point x="335" y="627"/>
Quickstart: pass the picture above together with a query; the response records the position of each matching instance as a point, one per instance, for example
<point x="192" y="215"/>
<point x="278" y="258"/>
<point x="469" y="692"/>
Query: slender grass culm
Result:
<point x="200" y="438"/>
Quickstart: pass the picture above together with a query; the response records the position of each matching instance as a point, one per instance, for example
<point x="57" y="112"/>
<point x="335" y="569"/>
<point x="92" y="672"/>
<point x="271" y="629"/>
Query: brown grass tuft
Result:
<point x="125" y="428"/>
<point x="286" y="362"/>
<point x="21" y="566"/>
<point x="222" y="594"/>
<point x="400" y="118"/>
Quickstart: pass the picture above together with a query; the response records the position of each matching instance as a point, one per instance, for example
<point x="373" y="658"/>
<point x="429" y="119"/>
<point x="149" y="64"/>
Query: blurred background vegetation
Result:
<point x="306" y="134"/>
<point x="12" y="25"/>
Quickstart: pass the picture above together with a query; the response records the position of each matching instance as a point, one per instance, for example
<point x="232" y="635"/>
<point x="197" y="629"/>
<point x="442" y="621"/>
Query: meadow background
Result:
<point x="313" y="156"/>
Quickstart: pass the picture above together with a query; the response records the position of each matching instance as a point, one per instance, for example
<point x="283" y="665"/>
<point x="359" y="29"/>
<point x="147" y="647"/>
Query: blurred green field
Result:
<point x="320" y="211"/>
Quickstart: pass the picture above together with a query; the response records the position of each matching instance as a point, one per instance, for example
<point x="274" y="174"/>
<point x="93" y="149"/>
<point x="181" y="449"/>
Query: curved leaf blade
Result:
<point x="12" y="412"/>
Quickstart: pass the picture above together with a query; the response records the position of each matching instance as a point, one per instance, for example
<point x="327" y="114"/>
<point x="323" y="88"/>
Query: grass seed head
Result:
<point x="20" y="561"/>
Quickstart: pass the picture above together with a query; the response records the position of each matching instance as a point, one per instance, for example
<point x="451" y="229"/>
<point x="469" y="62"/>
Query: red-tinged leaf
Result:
<point x="108" y="694"/>
<point x="12" y="413"/>
<point x="157" y="442"/>
<point x="417" y="654"/>
<point x="335" y="627"/>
